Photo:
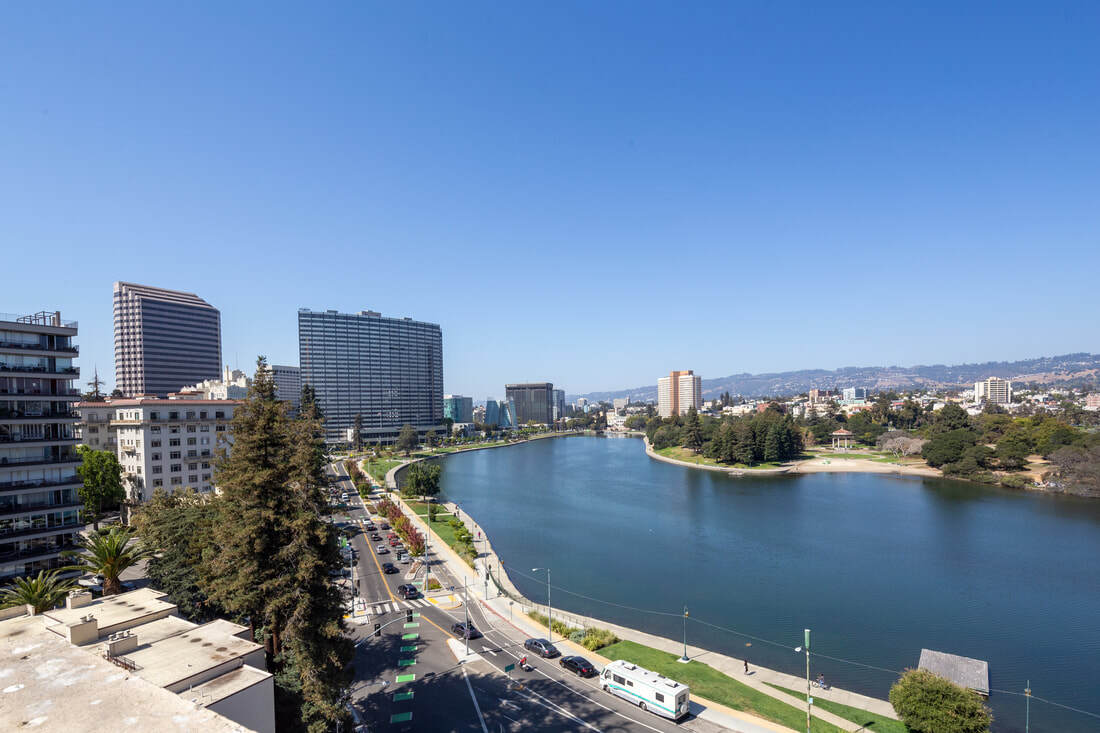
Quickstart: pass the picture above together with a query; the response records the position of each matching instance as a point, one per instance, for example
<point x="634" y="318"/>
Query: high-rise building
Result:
<point x="288" y="384"/>
<point x="458" y="408"/>
<point x="534" y="402"/>
<point x="679" y="392"/>
<point x="388" y="370"/>
<point x="492" y="412"/>
<point x="994" y="389"/>
<point x="39" y="501"/>
<point x="559" y="404"/>
<point x="855" y="393"/>
<point x="164" y="340"/>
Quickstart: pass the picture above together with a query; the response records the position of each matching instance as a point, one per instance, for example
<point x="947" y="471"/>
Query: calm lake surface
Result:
<point x="877" y="566"/>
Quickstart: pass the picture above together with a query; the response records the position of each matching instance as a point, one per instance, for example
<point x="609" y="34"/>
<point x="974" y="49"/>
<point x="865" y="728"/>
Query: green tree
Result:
<point x="773" y="444"/>
<point x="1013" y="449"/>
<point x="948" y="447"/>
<point x="42" y="592"/>
<point x="421" y="479"/>
<point x="950" y="417"/>
<point x="927" y="703"/>
<point x="101" y="475"/>
<point x="109" y="554"/>
<point x="692" y="433"/>
<point x="407" y="440"/>
<point x="431" y="439"/>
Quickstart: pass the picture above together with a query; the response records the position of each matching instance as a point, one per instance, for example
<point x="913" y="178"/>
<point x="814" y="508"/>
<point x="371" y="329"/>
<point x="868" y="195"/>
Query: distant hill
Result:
<point x="1068" y="369"/>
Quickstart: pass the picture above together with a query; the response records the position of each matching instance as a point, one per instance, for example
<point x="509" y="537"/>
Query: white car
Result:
<point x="344" y="497"/>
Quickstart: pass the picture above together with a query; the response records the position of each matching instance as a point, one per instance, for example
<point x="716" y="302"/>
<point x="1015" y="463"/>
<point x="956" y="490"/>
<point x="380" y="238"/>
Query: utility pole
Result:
<point x="1027" y="718"/>
<point x="809" y="700"/>
<point x="466" y="608"/>
<point x="549" y="608"/>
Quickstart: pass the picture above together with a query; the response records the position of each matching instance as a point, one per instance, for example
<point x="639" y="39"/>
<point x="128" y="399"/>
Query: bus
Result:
<point x="648" y="690"/>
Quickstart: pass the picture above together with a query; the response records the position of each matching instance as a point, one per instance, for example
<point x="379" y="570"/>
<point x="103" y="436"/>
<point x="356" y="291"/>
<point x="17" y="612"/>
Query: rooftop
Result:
<point x="174" y="659"/>
<point x="972" y="674"/>
<point x="121" y="611"/>
<point x="56" y="686"/>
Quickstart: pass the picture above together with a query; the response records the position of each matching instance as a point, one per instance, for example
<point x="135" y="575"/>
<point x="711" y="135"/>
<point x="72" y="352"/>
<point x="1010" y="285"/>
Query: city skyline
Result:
<point x="834" y="176"/>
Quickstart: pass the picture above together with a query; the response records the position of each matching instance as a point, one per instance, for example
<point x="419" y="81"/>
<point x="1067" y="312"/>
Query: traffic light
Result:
<point x="378" y="629"/>
<point x="408" y="616"/>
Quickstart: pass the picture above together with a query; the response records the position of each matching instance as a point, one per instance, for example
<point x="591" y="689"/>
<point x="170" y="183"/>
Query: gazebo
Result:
<point x="842" y="439"/>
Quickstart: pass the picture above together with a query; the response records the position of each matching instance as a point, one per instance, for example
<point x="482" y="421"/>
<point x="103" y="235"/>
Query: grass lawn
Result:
<point x="876" y="457"/>
<point x="444" y="530"/>
<point x="379" y="467"/>
<point x="705" y="681"/>
<point x="869" y="721"/>
<point x="689" y="456"/>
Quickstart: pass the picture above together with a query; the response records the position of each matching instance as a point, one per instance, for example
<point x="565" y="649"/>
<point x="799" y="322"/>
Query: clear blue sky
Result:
<point x="588" y="193"/>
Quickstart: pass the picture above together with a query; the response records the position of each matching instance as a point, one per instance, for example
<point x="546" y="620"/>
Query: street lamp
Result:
<point x="684" y="659"/>
<point x="549" y="608"/>
<point x="809" y="700"/>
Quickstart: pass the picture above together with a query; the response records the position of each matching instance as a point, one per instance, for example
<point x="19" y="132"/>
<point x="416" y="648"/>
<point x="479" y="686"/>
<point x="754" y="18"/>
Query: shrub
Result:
<point x="1014" y="482"/>
<point x="577" y="636"/>
<point x="598" y="638"/>
<point x="927" y="703"/>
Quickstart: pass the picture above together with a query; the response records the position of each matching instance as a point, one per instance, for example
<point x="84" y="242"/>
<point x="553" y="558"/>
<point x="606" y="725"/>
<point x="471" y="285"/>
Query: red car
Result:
<point x="394" y="542"/>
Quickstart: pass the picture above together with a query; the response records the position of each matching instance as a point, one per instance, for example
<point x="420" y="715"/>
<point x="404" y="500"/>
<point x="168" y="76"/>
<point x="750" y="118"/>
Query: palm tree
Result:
<point x="109" y="554"/>
<point x="43" y="592"/>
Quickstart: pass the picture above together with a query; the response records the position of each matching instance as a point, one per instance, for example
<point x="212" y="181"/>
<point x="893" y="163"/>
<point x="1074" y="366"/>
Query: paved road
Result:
<point x="478" y="695"/>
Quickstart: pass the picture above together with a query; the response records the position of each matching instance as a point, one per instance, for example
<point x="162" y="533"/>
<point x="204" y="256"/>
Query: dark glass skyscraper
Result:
<point x="534" y="401"/>
<point x="164" y="340"/>
<point x="388" y="370"/>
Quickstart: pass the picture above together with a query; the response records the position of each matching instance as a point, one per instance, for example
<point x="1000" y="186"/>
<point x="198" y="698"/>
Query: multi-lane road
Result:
<point x="408" y="678"/>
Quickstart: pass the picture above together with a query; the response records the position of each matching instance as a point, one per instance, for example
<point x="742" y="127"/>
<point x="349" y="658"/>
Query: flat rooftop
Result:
<point x="113" y="613"/>
<point x="51" y="685"/>
<point x="173" y="659"/>
<point x="222" y="687"/>
<point x="972" y="674"/>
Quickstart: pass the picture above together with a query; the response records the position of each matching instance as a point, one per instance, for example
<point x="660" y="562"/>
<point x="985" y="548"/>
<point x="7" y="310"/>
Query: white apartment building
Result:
<point x="232" y="386"/>
<point x="993" y="389"/>
<point x="160" y="443"/>
<point x="679" y="392"/>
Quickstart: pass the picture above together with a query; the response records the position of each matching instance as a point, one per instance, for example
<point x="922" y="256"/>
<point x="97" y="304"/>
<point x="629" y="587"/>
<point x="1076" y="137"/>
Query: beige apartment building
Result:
<point x="679" y="392"/>
<point x="995" y="390"/>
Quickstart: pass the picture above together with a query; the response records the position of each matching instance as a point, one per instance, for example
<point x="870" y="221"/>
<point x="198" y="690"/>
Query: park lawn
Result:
<point x="869" y="721"/>
<point x="709" y="683"/>
<point x="441" y="527"/>
<point x="379" y="467"/>
<point x="690" y="456"/>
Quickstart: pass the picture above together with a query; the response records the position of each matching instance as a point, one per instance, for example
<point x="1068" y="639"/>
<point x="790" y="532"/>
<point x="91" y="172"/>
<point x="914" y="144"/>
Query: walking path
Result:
<point x="504" y="607"/>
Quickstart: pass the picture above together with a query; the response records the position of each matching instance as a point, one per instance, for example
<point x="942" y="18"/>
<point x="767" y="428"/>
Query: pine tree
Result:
<point x="693" y="430"/>
<point x="773" y="444"/>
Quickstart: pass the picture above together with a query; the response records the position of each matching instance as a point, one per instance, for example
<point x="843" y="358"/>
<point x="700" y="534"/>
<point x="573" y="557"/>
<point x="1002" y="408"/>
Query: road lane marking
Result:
<point x="480" y="717"/>
<point x="406" y="678"/>
<point x="402" y="696"/>
<point x="404" y="718"/>
<point x="410" y="636"/>
<point x="413" y="625"/>
<point x="406" y="662"/>
<point x="410" y="648"/>
<point x="554" y="706"/>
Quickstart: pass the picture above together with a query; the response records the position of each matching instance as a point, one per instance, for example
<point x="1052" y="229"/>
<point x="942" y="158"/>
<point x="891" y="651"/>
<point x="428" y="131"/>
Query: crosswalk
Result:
<point x="379" y="608"/>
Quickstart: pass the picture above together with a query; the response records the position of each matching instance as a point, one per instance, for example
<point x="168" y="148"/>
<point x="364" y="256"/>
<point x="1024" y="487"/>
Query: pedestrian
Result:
<point x="746" y="666"/>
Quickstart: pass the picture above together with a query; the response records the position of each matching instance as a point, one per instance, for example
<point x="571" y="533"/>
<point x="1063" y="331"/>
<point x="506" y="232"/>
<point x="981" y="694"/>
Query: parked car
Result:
<point x="542" y="647"/>
<point x="385" y="526"/>
<point x="578" y="666"/>
<point x="376" y="537"/>
<point x="389" y="568"/>
<point x="382" y="550"/>
<point x="394" y="542"/>
<point x="344" y="496"/>
<point x="403" y="558"/>
<point x="408" y="592"/>
<point x="462" y="631"/>
<point x="370" y="527"/>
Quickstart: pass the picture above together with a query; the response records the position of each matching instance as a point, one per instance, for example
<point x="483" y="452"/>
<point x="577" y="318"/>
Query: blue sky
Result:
<point x="588" y="193"/>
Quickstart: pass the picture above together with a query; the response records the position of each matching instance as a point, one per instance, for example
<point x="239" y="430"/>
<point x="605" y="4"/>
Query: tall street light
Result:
<point x="809" y="700"/>
<point x="684" y="659"/>
<point x="549" y="608"/>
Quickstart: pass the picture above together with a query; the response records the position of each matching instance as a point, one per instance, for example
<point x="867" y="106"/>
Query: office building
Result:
<point x="458" y="408"/>
<point x="534" y="402"/>
<point x="150" y="669"/>
<point x="388" y="370"/>
<point x="995" y="390"/>
<point x="855" y="393"/>
<point x="679" y="392"/>
<point x="559" y="404"/>
<point x="162" y="443"/>
<point x="39" y="501"/>
<point x="500" y="413"/>
<point x="288" y="384"/>
<point x="164" y="340"/>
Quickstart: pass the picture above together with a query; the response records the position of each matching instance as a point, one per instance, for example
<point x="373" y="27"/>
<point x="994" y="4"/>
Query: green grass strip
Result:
<point x="705" y="681"/>
<point x="406" y="677"/>
<point x="869" y="721"/>
<point x="402" y="696"/>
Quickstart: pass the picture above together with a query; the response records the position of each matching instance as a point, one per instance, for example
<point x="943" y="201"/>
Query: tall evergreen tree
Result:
<point x="693" y="430"/>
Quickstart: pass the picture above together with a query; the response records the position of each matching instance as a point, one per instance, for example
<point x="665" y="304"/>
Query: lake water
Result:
<point x="877" y="566"/>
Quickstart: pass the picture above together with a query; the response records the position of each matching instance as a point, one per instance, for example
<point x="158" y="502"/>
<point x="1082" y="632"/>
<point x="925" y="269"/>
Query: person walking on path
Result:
<point x="746" y="666"/>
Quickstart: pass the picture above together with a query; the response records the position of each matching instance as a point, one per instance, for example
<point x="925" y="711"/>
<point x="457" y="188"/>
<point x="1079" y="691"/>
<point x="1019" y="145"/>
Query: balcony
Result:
<point x="7" y="413"/>
<point x="24" y="508"/>
<point x="40" y="370"/>
<point x="22" y="439"/>
<point x="25" y="484"/>
<point x="40" y="460"/>
<point x="74" y="350"/>
<point x="27" y="531"/>
<point x="36" y="552"/>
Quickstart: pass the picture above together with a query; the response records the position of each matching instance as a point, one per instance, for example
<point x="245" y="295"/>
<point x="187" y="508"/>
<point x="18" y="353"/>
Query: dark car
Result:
<point x="376" y="537"/>
<point x="578" y="666"/>
<point x="462" y="631"/>
<point x="389" y="568"/>
<point x="370" y="528"/>
<point x="385" y="526"/>
<point x="408" y="592"/>
<point x="542" y="647"/>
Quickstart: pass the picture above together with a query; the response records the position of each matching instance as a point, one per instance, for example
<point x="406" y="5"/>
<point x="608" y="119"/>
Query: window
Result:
<point x="191" y="441"/>
<point x="192" y="466"/>
<point x="192" y="454"/>
<point x="192" y="479"/>
<point x="618" y="679"/>
<point x="154" y="416"/>
<point x="155" y="429"/>
<point x="156" y="456"/>
<point x="173" y="442"/>
<point x="220" y="414"/>
<point x="173" y="416"/>
<point x="175" y="468"/>
<point x="174" y="455"/>
<point x="157" y="469"/>
<point x="220" y="429"/>
<point x="155" y="443"/>
<point x="204" y="441"/>
<point x="174" y="430"/>
<point x="176" y="480"/>
<point x="659" y="697"/>
<point x="629" y="683"/>
<point x="158" y="483"/>
<point x="204" y="428"/>
<point x="202" y="414"/>
<point x="205" y="465"/>
<point x="206" y="477"/>
<point x="190" y="414"/>
<point x="190" y="428"/>
<point x="93" y="430"/>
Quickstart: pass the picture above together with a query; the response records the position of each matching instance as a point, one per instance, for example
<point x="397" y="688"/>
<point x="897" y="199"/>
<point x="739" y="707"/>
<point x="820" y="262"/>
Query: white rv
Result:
<point x="648" y="690"/>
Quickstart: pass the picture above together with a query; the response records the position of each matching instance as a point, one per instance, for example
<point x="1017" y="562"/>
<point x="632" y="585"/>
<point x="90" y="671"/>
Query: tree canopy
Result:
<point x="927" y="703"/>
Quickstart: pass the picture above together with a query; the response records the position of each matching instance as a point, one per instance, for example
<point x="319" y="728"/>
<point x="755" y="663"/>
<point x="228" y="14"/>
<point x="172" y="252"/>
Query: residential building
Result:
<point x="164" y="339"/>
<point x="559" y="404"/>
<point x="1092" y="401"/>
<point x="388" y="370"/>
<point x="679" y="392"/>
<point x="534" y="402"/>
<point x="288" y="384"/>
<point x="458" y="408"/>
<point x="993" y="389"/>
<point x="151" y="669"/>
<point x="855" y="393"/>
<point x="620" y="403"/>
<point x="821" y="397"/>
<point x="39" y="501"/>
<point x="233" y="385"/>
<point x="163" y="443"/>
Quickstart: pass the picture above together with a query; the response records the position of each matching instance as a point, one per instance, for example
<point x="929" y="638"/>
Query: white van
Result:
<point x="648" y="690"/>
